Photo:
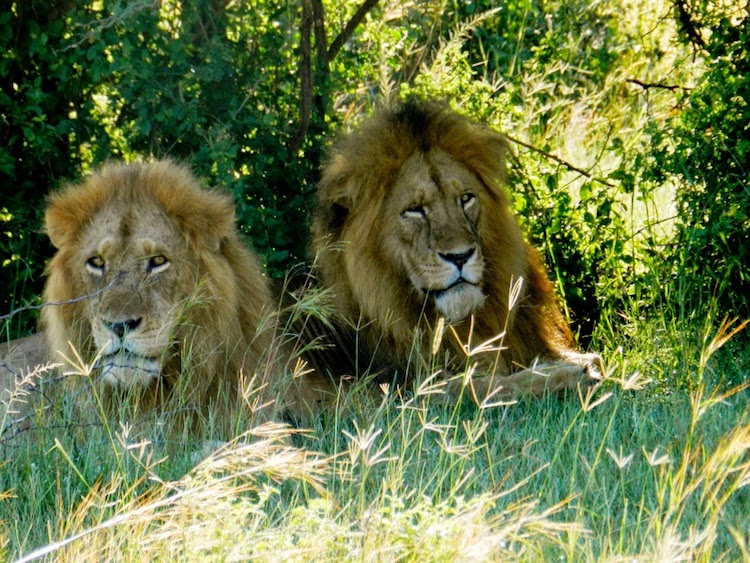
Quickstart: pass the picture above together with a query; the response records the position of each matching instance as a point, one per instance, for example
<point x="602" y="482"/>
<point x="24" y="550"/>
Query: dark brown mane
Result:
<point x="359" y="256"/>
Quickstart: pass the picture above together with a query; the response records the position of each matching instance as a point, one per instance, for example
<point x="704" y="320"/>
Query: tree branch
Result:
<point x="559" y="160"/>
<point x="349" y="28"/>
<point x="319" y="31"/>
<point x="649" y="85"/>
<point x="313" y="21"/>
<point x="306" y="84"/>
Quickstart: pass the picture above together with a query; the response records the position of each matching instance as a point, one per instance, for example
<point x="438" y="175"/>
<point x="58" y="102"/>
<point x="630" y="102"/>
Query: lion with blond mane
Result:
<point x="152" y="284"/>
<point x="413" y="226"/>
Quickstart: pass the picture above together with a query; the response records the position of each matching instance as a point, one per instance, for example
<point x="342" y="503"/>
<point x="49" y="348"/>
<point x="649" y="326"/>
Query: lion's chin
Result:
<point x="125" y="370"/>
<point x="458" y="302"/>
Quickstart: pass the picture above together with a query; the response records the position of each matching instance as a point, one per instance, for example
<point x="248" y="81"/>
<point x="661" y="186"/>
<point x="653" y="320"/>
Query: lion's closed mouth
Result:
<point x="437" y="293"/>
<point x="128" y="369"/>
<point x="122" y="359"/>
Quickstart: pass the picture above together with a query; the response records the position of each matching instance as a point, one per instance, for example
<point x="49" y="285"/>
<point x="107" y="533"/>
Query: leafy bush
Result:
<point x="550" y="75"/>
<point x="41" y="91"/>
<point x="214" y="85"/>
<point x="707" y="151"/>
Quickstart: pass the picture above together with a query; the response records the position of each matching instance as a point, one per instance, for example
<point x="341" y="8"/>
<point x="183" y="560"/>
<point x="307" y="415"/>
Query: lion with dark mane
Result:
<point x="413" y="225"/>
<point x="152" y="282"/>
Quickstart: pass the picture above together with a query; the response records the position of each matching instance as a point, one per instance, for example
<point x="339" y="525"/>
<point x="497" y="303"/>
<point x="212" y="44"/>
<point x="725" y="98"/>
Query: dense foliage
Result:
<point x="40" y="89"/>
<point x="214" y="85"/>
<point x="249" y="93"/>
<point x="707" y="151"/>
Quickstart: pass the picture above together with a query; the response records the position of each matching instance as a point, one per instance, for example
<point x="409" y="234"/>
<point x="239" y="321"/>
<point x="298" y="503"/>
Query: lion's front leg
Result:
<point x="553" y="376"/>
<point x="556" y="376"/>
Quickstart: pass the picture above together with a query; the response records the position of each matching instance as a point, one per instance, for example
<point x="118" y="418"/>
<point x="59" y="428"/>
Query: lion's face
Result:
<point x="130" y="264"/>
<point x="408" y="205"/>
<point x="433" y="213"/>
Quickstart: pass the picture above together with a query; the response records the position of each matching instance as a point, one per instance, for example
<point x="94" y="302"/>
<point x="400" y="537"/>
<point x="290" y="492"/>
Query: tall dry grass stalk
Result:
<point x="21" y="398"/>
<point x="202" y="513"/>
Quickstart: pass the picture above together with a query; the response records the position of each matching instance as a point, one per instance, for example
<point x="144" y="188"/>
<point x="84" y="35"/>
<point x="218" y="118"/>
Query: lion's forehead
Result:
<point x="433" y="178"/>
<point x="131" y="233"/>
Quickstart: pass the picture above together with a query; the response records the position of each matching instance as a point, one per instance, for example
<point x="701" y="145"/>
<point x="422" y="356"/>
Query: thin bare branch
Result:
<point x="649" y="85"/>
<point x="58" y="303"/>
<point x="559" y="160"/>
<point x="349" y="28"/>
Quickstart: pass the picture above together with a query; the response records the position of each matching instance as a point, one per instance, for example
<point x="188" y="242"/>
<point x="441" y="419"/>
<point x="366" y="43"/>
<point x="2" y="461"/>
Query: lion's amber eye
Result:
<point x="157" y="264"/>
<point x="95" y="265"/>
<point x="467" y="199"/>
<point x="416" y="211"/>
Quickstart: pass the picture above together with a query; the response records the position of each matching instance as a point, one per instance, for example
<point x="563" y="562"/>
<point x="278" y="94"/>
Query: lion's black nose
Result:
<point x="120" y="328"/>
<point x="457" y="258"/>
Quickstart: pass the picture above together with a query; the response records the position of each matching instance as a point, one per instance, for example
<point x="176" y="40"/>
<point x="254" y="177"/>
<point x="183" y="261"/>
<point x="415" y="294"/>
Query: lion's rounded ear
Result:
<point x="339" y="185"/>
<point x="207" y="219"/>
<point x="485" y="151"/>
<point x="339" y="192"/>
<point x="56" y="226"/>
<point x="66" y="213"/>
<point x="489" y="160"/>
<point x="500" y="148"/>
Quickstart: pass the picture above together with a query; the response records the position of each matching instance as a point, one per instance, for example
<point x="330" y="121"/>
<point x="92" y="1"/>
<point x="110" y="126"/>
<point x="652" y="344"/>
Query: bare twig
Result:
<point x="559" y="160"/>
<point x="653" y="224"/>
<point x="58" y="303"/>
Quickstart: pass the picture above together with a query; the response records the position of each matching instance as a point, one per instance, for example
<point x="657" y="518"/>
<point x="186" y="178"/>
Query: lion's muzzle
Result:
<point x="131" y="353"/>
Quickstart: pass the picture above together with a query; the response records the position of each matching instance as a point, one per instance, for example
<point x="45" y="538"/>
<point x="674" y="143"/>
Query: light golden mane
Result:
<point x="219" y="295"/>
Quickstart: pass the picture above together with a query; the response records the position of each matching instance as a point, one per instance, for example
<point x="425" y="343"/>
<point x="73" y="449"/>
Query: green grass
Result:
<point x="641" y="470"/>
<point x="638" y="470"/>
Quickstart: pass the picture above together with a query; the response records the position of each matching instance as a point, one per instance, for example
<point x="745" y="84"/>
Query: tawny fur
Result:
<point x="211" y="300"/>
<point x="360" y="259"/>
